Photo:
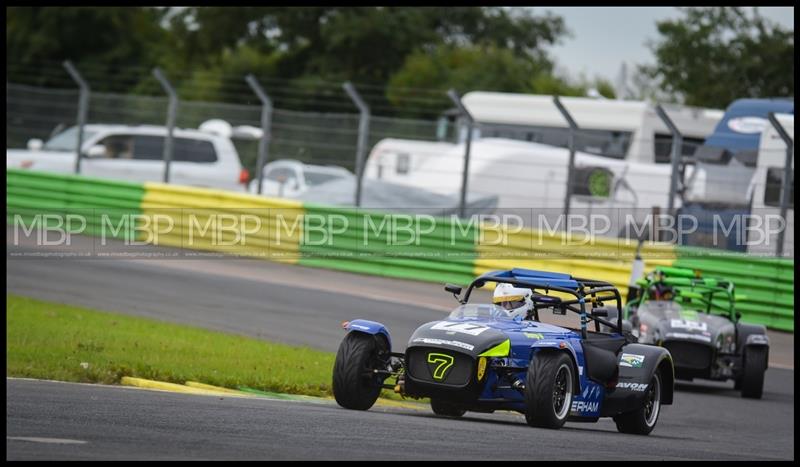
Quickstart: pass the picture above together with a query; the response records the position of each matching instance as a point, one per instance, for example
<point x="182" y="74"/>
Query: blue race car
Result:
<point x="483" y="358"/>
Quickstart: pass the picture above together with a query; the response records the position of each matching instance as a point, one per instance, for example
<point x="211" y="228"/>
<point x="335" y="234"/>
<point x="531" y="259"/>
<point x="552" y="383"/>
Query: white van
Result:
<point x="135" y="153"/>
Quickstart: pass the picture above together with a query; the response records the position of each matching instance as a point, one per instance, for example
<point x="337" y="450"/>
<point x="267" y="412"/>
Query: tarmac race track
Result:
<point x="305" y="306"/>
<point x="50" y="420"/>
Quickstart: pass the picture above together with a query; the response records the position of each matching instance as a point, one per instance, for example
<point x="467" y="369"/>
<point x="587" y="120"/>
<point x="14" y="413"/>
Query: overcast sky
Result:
<point x="604" y="37"/>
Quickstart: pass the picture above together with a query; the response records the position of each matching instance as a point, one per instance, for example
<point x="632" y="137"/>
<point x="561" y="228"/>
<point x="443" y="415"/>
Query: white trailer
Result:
<point x="519" y="154"/>
<point x="765" y="190"/>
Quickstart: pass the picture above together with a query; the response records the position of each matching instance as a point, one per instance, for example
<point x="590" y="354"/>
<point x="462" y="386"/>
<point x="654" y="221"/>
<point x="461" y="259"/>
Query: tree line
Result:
<point x="401" y="58"/>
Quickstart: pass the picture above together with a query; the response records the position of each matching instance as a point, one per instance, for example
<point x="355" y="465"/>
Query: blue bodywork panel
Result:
<point x="527" y="338"/>
<point x="369" y="327"/>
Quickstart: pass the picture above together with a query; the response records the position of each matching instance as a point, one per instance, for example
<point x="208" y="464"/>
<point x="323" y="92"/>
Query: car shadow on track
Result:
<point x="698" y="387"/>
<point x="509" y="419"/>
<point x="728" y="392"/>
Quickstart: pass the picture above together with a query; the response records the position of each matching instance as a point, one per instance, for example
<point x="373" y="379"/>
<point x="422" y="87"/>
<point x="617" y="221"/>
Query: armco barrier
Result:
<point x="411" y="246"/>
<point x="599" y="258"/>
<point x="223" y="221"/>
<point x="373" y="242"/>
<point x="109" y="207"/>
<point x="766" y="283"/>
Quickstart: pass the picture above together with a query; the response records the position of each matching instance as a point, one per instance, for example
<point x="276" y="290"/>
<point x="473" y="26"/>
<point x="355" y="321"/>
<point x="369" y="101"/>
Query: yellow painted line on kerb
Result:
<point x="197" y="388"/>
<point x="172" y="387"/>
<point x="208" y="387"/>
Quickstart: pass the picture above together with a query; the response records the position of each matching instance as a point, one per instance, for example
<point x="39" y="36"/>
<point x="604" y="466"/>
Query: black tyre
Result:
<point x="643" y="420"/>
<point x="737" y="384"/>
<point x="354" y="385"/>
<point x="446" y="409"/>
<point x="548" y="390"/>
<point x="753" y="368"/>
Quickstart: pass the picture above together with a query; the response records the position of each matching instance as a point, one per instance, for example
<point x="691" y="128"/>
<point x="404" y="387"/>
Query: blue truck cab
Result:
<point x="741" y="126"/>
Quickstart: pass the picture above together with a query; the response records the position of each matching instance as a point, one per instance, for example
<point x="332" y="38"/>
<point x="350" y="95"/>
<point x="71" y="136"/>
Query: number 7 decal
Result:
<point x="444" y="362"/>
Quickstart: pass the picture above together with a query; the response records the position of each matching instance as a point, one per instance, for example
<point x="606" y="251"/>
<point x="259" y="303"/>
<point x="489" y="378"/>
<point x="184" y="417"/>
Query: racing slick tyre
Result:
<point x="354" y="387"/>
<point x="753" y="368"/>
<point x="642" y="420"/>
<point x="548" y="390"/>
<point x="446" y="409"/>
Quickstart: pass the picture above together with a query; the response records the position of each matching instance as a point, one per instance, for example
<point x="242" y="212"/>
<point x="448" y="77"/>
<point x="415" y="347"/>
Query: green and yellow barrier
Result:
<point x="412" y="246"/>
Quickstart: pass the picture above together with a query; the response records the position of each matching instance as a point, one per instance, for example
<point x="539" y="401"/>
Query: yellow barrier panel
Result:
<point x="600" y="258"/>
<point x="221" y="221"/>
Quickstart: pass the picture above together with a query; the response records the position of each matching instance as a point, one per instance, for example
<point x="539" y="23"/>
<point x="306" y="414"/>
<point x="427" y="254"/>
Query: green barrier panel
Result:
<point x="104" y="205"/>
<point x="768" y="283"/>
<point x="410" y="246"/>
<point x="389" y="268"/>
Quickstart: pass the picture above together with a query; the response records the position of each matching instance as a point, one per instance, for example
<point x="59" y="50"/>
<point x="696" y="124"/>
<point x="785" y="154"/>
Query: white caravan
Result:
<point x="519" y="153"/>
<point x="765" y="189"/>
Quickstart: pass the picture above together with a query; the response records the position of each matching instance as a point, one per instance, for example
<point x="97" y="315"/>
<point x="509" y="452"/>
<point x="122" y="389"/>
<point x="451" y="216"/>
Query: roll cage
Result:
<point x="704" y="294"/>
<point x="584" y="290"/>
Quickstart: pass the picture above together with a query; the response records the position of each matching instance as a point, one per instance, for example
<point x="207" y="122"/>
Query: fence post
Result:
<point x="363" y="132"/>
<point x="785" y="180"/>
<point x="462" y="203"/>
<point x="83" y="108"/>
<point x="171" y="113"/>
<point x="573" y="127"/>
<point x="266" y="122"/>
<point x="677" y="144"/>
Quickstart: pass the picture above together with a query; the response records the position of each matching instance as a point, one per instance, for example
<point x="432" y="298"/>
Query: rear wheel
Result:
<point x="548" y="390"/>
<point x="355" y="385"/>
<point x="753" y="368"/>
<point x="642" y="420"/>
<point x="446" y="409"/>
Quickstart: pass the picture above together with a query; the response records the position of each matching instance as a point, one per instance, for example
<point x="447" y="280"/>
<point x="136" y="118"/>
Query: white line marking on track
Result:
<point x="45" y="440"/>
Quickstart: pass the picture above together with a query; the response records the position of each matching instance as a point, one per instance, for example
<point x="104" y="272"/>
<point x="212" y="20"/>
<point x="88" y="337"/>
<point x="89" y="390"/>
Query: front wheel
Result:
<point x="643" y="420"/>
<point x="446" y="409"/>
<point x="753" y="368"/>
<point x="548" y="390"/>
<point x="355" y="385"/>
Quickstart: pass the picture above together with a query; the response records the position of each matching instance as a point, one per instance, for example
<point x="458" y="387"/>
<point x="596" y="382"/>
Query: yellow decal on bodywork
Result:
<point x="481" y="367"/>
<point x="500" y="350"/>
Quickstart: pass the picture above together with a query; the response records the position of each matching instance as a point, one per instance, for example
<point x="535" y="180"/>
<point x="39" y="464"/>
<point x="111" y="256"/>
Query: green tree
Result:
<point x="108" y="40"/>
<point x="301" y="54"/>
<point x="420" y="86"/>
<point x="713" y="56"/>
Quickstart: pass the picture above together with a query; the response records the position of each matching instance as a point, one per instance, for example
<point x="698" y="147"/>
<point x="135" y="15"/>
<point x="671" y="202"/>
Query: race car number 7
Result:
<point x="466" y="328"/>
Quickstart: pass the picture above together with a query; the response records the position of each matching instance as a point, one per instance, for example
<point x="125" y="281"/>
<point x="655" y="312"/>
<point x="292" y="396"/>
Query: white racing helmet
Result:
<point x="515" y="300"/>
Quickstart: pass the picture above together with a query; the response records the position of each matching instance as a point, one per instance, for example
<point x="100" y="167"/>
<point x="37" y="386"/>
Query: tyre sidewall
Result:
<point x="539" y="388"/>
<point x="350" y="389"/>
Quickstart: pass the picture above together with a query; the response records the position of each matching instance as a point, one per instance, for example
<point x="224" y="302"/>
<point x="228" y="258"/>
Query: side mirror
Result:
<point x="453" y="289"/>
<point x="98" y="150"/>
<point x="35" y="144"/>
<point x="738" y="315"/>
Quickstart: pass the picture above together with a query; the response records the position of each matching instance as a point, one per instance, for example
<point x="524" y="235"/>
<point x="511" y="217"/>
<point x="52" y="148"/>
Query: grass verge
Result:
<point x="60" y="342"/>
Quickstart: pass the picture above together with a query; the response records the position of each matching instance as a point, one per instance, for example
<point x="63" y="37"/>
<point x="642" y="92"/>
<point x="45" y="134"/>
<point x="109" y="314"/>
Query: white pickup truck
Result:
<point x="135" y="152"/>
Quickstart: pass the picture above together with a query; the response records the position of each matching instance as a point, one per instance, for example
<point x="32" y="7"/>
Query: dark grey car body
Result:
<point x="702" y="345"/>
